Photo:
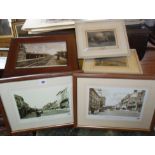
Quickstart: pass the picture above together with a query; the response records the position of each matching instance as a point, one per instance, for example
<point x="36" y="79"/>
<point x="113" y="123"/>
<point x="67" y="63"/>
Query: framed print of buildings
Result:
<point x="114" y="103"/>
<point x="36" y="55"/>
<point x="38" y="101"/>
<point x="84" y="100"/>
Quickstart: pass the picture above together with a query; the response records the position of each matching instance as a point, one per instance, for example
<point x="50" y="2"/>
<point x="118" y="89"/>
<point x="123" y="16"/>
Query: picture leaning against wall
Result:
<point x="39" y="102"/>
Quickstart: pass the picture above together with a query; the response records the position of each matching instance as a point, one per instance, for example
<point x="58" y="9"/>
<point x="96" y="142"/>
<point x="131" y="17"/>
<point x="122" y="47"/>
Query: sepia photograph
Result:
<point x="117" y="102"/>
<point x="52" y="102"/>
<point x="101" y="38"/>
<point x="42" y="55"/>
<point x="118" y="61"/>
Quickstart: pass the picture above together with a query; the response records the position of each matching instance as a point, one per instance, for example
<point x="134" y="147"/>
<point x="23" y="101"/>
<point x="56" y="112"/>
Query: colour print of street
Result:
<point x="121" y="102"/>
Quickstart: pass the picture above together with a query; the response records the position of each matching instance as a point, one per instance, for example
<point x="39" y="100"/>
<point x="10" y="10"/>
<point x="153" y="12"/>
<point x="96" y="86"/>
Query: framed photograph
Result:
<point x="114" y="103"/>
<point x="5" y="33"/>
<point x="17" y="30"/>
<point x="35" y="55"/>
<point x="124" y="65"/>
<point x="96" y="39"/>
<point x="5" y="28"/>
<point x="37" y="101"/>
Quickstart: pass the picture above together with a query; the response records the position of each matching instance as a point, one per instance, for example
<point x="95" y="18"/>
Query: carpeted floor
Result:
<point x="68" y="131"/>
<point x="90" y="132"/>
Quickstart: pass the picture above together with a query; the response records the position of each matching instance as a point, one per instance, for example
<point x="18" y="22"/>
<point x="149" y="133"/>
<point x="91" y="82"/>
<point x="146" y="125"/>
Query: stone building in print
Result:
<point x="61" y="102"/>
<point x="133" y="101"/>
<point x="63" y="98"/>
<point x="22" y="53"/>
<point x="96" y="102"/>
<point x="22" y="106"/>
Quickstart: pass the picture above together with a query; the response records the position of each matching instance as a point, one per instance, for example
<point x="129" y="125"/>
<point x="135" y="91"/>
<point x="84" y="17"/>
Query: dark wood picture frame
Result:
<point x="34" y="78"/>
<point x="80" y="74"/>
<point x="68" y="38"/>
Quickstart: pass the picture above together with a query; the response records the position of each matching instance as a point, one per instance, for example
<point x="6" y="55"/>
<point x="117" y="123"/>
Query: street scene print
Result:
<point x="42" y="102"/>
<point x="101" y="39"/>
<point x="42" y="55"/>
<point x="121" y="102"/>
<point x="118" y="62"/>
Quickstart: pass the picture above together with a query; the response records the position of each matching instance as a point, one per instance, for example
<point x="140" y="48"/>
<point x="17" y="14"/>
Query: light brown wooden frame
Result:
<point x="15" y="31"/>
<point x="81" y="74"/>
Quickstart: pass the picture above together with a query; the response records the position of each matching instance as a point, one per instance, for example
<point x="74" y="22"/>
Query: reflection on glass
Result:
<point x="5" y="27"/>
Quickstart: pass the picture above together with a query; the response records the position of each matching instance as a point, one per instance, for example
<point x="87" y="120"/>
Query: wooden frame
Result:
<point x="97" y="39"/>
<point x="1" y="72"/>
<point x="22" y="61"/>
<point x="3" y="62"/>
<point x="126" y="65"/>
<point x="3" y="58"/>
<point x="17" y="31"/>
<point x="83" y="119"/>
<point x="18" y="20"/>
<point x="17" y="91"/>
<point x="4" y="52"/>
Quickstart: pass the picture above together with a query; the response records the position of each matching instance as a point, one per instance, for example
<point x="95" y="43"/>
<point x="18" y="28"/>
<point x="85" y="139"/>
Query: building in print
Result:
<point x="62" y="54"/>
<point x="61" y="102"/>
<point x="22" y="106"/>
<point x="96" y="102"/>
<point x="34" y="55"/>
<point x="132" y="101"/>
<point x="26" y="58"/>
<point x="22" y="53"/>
<point x="63" y="98"/>
<point x="51" y="106"/>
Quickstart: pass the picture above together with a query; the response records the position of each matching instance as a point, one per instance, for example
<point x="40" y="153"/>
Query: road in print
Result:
<point x="42" y="102"/>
